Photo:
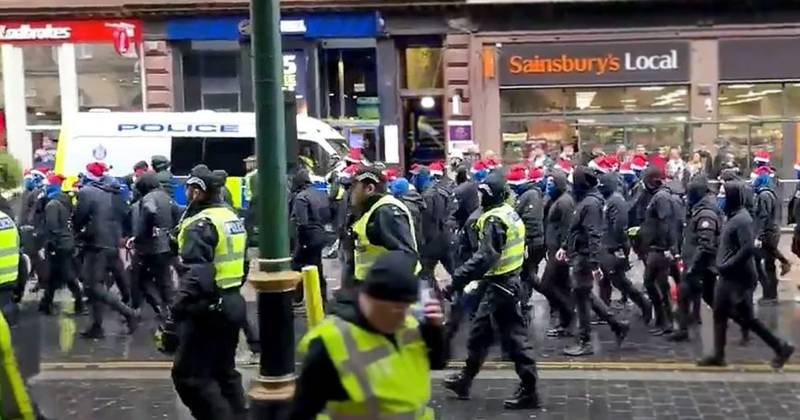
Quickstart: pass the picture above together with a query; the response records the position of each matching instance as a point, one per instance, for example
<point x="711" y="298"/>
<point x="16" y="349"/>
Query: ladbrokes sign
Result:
<point x="555" y="64"/>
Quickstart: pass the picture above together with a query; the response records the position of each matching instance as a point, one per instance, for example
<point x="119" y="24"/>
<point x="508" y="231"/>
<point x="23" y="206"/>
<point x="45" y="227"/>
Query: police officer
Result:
<point x="340" y="375"/>
<point x="735" y="262"/>
<point x="700" y="243"/>
<point x="310" y="212"/>
<point x="497" y="262"/>
<point x="555" y="280"/>
<point x="59" y="246"/>
<point x="250" y="179"/>
<point x="616" y="246"/>
<point x="151" y="242"/>
<point x="384" y="224"/>
<point x="14" y="401"/>
<point x="208" y="306"/>
<point x="767" y="234"/>
<point x="660" y="241"/>
<point x="13" y="272"/>
<point x="584" y="245"/>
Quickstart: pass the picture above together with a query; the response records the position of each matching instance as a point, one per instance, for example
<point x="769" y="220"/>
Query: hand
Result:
<point x="561" y="255"/>
<point x="758" y="243"/>
<point x="668" y="255"/>
<point x="433" y="313"/>
<point x="597" y="274"/>
<point x="129" y="243"/>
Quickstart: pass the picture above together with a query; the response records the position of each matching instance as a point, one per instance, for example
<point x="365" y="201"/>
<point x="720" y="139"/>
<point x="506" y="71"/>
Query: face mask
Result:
<point x="761" y="181"/>
<point x="542" y="184"/>
<point x="550" y="189"/>
<point x="721" y="202"/>
<point x="629" y="179"/>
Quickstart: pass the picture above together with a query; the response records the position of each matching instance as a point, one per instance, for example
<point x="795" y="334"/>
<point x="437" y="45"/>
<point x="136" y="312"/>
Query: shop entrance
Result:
<point x="423" y="129"/>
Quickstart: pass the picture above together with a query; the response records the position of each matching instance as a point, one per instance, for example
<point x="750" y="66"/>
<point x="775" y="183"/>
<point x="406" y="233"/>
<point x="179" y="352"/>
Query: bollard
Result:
<point x="314" y="311"/>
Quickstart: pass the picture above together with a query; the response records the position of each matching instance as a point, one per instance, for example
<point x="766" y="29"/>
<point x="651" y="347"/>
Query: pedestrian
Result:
<point x="310" y="213"/>
<point x="767" y="235"/>
<point x="99" y="216"/>
<point x="530" y="207"/>
<point x="555" y="280"/>
<point x="497" y="263"/>
<point x="161" y="166"/>
<point x="735" y="262"/>
<point x="59" y="247"/>
<point x="208" y="306"/>
<point x="616" y="246"/>
<point x="659" y="240"/>
<point x="151" y="242"/>
<point x="346" y="357"/>
<point x="384" y="224"/>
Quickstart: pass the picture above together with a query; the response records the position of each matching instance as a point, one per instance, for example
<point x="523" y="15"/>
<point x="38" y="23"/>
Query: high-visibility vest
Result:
<point x="9" y="250"/>
<point x="231" y="246"/>
<point x="14" y="401"/>
<point x="514" y="250"/>
<point x="383" y="379"/>
<point x="250" y="184"/>
<point x="367" y="253"/>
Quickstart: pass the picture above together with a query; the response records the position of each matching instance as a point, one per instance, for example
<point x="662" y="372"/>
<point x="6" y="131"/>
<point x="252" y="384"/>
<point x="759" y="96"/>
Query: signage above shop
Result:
<point x="593" y="63"/>
<point x="121" y="32"/>
<point x="759" y="59"/>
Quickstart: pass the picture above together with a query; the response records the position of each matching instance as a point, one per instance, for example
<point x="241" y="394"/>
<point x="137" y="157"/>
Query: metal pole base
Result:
<point x="271" y="397"/>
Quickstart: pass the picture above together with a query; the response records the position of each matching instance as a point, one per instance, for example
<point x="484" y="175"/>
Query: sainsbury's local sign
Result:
<point x="592" y="63"/>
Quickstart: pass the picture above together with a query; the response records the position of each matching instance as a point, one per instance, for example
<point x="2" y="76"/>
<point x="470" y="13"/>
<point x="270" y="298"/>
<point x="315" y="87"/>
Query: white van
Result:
<point x="222" y="140"/>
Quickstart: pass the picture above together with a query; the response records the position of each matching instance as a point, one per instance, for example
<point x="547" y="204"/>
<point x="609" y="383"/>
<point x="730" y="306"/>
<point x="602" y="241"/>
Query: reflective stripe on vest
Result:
<point x="383" y="381"/>
<point x="14" y="400"/>
<point x="231" y="246"/>
<point x="9" y="250"/>
<point x="365" y="253"/>
<point x="514" y="251"/>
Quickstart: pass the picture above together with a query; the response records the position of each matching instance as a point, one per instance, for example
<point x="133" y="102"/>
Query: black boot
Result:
<point x="94" y="332"/>
<point x="524" y="398"/>
<point x="647" y="312"/>
<point x="712" y="361"/>
<point x="621" y="331"/>
<point x="132" y="320"/>
<point x="583" y="348"/>
<point x="459" y="383"/>
<point x="782" y="355"/>
<point x="46" y="309"/>
<point x="80" y="308"/>
<point x="679" y="336"/>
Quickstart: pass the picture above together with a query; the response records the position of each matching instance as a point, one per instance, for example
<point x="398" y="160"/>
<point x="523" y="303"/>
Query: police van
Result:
<point x="221" y="140"/>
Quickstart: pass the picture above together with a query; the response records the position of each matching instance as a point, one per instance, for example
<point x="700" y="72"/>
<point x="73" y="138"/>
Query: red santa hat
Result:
<point x="478" y="166"/>
<point x="600" y="164"/>
<point x="353" y="156"/>
<point x="535" y="174"/>
<point x="348" y="171"/>
<point x="55" y="179"/>
<point x="390" y="174"/>
<point x="761" y="170"/>
<point x="517" y="175"/>
<point x="625" y="169"/>
<point x="96" y="169"/>
<point x="613" y="162"/>
<point x="491" y="162"/>
<point x="761" y="156"/>
<point x="639" y="162"/>
<point x="415" y="167"/>
<point x="563" y="165"/>
<point x="436" y="168"/>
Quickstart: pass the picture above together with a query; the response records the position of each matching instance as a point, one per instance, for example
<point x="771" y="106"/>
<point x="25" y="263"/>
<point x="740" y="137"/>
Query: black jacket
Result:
<point x="319" y="381"/>
<point x="58" y="236"/>
<point x="558" y="214"/>
<point x="766" y="215"/>
<point x="659" y="228"/>
<point x="310" y="213"/>
<point x="100" y="214"/>
<point x="467" y="200"/>
<point x="416" y="205"/>
<point x="154" y="217"/>
<point x="585" y="237"/>
<point x="615" y="216"/>
<point x="530" y="207"/>
<point x="638" y="199"/>
<point x="701" y="236"/>
<point x="736" y="248"/>
<point x="435" y="216"/>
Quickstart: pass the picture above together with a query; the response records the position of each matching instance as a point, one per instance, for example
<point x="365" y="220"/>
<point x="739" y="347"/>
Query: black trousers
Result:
<point x="586" y="301"/>
<point x="204" y="372"/>
<point x="766" y="269"/>
<point x="556" y="288"/>
<point x="530" y="277"/>
<point x="733" y="300"/>
<point x="441" y="251"/>
<point x="151" y="281"/>
<point x="98" y="263"/>
<point x="656" y="282"/>
<point x="304" y="256"/>
<point x="697" y="282"/>
<point x="614" y="269"/>
<point x="62" y="274"/>
<point x="500" y="313"/>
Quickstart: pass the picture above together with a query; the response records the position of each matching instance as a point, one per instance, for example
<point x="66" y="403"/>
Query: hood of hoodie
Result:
<point x="415" y="198"/>
<point x="493" y="190"/>
<point x="583" y="182"/>
<point x="159" y="163"/>
<point x="696" y="190"/>
<point x="734" y="196"/>
<point x="676" y="187"/>
<point x="652" y="178"/>
<point x="609" y="184"/>
<point x="300" y="180"/>
<point x="559" y="185"/>
<point x="147" y="182"/>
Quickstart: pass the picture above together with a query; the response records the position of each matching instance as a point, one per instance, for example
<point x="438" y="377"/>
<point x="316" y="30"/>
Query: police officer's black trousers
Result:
<point x="500" y="313"/>
<point x="766" y="269"/>
<point x="556" y="288"/>
<point x="204" y="372"/>
<point x="97" y="265"/>
<point x="61" y="274"/>
<point x="656" y="282"/>
<point x="733" y="300"/>
<point x="586" y="301"/>
<point x="614" y="275"/>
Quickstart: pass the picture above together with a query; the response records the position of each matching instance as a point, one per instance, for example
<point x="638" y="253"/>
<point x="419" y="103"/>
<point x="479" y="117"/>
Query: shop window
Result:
<point x="42" y="95"/>
<point x="352" y="83"/>
<point x="108" y="80"/>
<point x="792" y="99"/>
<point x="627" y="99"/>
<point x="522" y="101"/>
<point x="3" y="141"/>
<point x="745" y="100"/>
<point x="423" y="68"/>
<point x="218" y="153"/>
<point x="211" y="80"/>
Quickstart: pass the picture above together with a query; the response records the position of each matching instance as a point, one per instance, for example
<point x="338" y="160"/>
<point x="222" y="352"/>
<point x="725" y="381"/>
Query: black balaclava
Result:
<point x="653" y="178"/>
<point x="734" y="196"/>
<point x="583" y="181"/>
<point x="609" y="183"/>
<point x="560" y="183"/>
<point x="147" y="182"/>
<point x="493" y="190"/>
<point x="462" y="175"/>
<point x="696" y="190"/>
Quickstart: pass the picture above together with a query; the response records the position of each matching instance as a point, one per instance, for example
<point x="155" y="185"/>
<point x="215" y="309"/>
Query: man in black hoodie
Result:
<point x="616" y="246"/>
<point x="310" y="213"/>
<point x="583" y="248"/>
<point x="555" y="279"/>
<point x="161" y="164"/>
<point x="436" y="247"/>
<point x="660" y="241"/>
<point x="700" y="243"/>
<point x="467" y="198"/>
<point x="497" y="262"/>
<point x="767" y="233"/>
<point x="736" y="265"/>
<point x="530" y="207"/>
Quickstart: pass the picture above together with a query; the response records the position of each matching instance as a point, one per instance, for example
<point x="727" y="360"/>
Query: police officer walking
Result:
<point x="735" y="262"/>
<point x="497" y="263"/>
<point x="208" y="306"/>
<point x="555" y="280"/>
<point x="584" y="244"/>
<point x="340" y="376"/>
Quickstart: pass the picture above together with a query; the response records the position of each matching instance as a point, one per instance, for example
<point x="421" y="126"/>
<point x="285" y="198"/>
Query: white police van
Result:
<point x="222" y="140"/>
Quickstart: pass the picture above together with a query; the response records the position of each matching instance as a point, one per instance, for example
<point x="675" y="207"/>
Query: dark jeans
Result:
<point x="97" y="265"/>
<point x="442" y="251"/>
<point x="556" y="288"/>
<point x="696" y="282"/>
<point x="62" y="274"/>
<point x="151" y="279"/>
<point x="614" y="269"/>
<point x="656" y="282"/>
<point x="304" y="256"/>
<point x="586" y="301"/>
<point x="766" y="269"/>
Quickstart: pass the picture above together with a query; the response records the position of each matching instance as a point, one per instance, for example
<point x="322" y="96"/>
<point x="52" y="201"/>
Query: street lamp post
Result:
<point x="271" y="392"/>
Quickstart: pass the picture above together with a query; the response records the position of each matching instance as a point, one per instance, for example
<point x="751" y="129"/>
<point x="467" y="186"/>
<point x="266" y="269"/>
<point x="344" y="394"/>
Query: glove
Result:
<point x="471" y="287"/>
<point x="633" y="231"/>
